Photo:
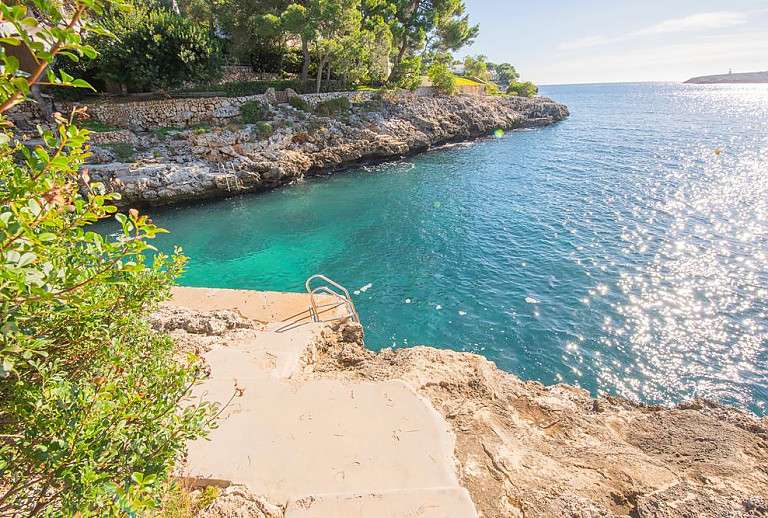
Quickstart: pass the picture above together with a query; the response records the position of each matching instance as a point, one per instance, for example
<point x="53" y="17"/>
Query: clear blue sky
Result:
<point x="593" y="41"/>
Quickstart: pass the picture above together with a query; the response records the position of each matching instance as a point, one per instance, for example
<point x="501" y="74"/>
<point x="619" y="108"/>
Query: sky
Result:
<point x="603" y="41"/>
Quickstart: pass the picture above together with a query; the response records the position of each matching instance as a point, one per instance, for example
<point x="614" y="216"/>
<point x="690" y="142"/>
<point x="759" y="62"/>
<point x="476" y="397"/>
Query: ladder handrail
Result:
<point x="340" y="293"/>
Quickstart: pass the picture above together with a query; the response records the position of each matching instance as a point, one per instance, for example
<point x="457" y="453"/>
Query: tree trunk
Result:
<point x="305" y="67"/>
<point x="398" y="58"/>
<point x="320" y="67"/>
<point x="328" y="75"/>
<point x="426" y="46"/>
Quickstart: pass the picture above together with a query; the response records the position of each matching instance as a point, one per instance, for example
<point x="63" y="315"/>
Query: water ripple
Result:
<point x="624" y="250"/>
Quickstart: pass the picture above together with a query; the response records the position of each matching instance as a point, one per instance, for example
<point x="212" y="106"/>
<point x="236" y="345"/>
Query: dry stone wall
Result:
<point x="148" y="115"/>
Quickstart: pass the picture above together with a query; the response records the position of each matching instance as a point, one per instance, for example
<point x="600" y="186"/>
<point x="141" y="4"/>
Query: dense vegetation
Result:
<point x="92" y="412"/>
<point x="326" y="45"/>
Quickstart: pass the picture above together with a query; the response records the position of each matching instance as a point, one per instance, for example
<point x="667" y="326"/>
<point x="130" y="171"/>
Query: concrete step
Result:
<point x="440" y="502"/>
<point x="269" y="353"/>
<point x="283" y="438"/>
<point x="259" y="306"/>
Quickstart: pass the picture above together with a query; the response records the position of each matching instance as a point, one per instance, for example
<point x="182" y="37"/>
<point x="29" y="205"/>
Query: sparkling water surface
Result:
<point x="618" y="250"/>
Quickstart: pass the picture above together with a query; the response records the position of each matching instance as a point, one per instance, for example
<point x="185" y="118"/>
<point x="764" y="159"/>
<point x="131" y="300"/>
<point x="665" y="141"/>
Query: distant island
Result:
<point x="747" y="77"/>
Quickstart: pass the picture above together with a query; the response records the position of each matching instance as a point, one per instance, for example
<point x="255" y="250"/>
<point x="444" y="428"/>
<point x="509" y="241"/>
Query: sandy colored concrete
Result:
<point x="275" y="354"/>
<point x="286" y="439"/>
<point x="261" y="306"/>
<point x="326" y="448"/>
<point x="521" y="448"/>
<point x="441" y="502"/>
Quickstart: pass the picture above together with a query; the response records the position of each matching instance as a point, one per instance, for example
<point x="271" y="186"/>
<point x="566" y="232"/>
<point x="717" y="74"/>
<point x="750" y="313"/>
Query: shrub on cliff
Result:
<point x="157" y="50"/>
<point x="90" y="423"/>
<point x="442" y="79"/>
<point x="253" y="112"/>
<point x="262" y="129"/>
<point x="525" y="89"/>
<point x="299" y="103"/>
<point x="333" y="106"/>
<point x="407" y="74"/>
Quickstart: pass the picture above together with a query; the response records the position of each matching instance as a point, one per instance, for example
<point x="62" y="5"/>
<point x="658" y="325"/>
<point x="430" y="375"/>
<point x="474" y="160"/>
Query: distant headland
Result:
<point x="747" y="77"/>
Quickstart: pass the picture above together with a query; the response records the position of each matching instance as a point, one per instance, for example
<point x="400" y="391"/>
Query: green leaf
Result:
<point x="80" y="83"/>
<point x="26" y="259"/>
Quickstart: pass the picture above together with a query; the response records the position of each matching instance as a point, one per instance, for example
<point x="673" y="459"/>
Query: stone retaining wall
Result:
<point x="148" y="115"/>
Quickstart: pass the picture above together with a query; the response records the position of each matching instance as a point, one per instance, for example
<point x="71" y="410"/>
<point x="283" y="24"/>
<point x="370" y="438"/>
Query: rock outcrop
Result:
<point x="525" y="449"/>
<point x="179" y="165"/>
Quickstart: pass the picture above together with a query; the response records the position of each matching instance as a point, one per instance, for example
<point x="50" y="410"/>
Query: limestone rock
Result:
<point x="269" y="96"/>
<point x="227" y="160"/>
<point x="525" y="449"/>
<point x="238" y="502"/>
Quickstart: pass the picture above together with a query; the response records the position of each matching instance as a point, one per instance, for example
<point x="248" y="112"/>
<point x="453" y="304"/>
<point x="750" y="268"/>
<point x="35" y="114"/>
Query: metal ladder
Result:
<point x="339" y="297"/>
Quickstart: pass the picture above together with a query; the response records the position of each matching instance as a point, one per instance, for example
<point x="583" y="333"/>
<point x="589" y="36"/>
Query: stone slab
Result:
<point x="273" y="354"/>
<point x="261" y="306"/>
<point x="284" y="438"/>
<point x="444" y="502"/>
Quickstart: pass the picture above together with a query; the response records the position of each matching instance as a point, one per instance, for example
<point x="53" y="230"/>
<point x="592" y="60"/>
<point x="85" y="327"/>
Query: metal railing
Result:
<point x="339" y="297"/>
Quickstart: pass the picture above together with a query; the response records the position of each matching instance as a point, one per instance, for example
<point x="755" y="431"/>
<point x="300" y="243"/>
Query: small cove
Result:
<point x="615" y="250"/>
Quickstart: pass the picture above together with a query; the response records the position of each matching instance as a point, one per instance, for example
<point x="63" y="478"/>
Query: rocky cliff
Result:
<point x="525" y="449"/>
<point x="175" y="165"/>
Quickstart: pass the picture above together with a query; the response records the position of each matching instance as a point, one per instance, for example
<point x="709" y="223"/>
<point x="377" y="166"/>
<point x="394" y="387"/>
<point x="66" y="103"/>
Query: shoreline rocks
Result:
<point x="180" y="165"/>
<point x="526" y="449"/>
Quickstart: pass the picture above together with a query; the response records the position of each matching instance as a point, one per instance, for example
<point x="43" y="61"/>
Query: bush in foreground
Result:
<point x="90" y="421"/>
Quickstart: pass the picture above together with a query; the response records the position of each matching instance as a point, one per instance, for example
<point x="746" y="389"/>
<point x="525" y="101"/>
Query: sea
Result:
<point x="623" y="250"/>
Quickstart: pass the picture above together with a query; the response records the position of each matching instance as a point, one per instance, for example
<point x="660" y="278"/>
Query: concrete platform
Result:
<point x="261" y="306"/>
<point x="442" y="502"/>
<point x="326" y="448"/>
<point x="270" y="353"/>
<point x="284" y="439"/>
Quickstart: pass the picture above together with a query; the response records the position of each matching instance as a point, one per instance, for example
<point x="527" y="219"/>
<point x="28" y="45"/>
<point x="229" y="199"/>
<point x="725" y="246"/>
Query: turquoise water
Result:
<point x="615" y="250"/>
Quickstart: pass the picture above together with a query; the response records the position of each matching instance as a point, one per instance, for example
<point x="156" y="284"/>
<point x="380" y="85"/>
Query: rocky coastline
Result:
<point x="523" y="448"/>
<point x="173" y="165"/>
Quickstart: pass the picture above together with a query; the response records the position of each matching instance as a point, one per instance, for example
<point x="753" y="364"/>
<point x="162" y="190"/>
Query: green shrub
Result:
<point x="123" y="150"/>
<point x="442" y="80"/>
<point x="333" y="106"/>
<point x="157" y="50"/>
<point x="492" y="89"/>
<point x="299" y="103"/>
<point x="263" y="129"/>
<point x="524" y="89"/>
<point x="408" y="73"/>
<point x="162" y="133"/>
<point x="199" y="129"/>
<point x="90" y="420"/>
<point x="253" y="112"/>
<point x="99" y="127"/>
